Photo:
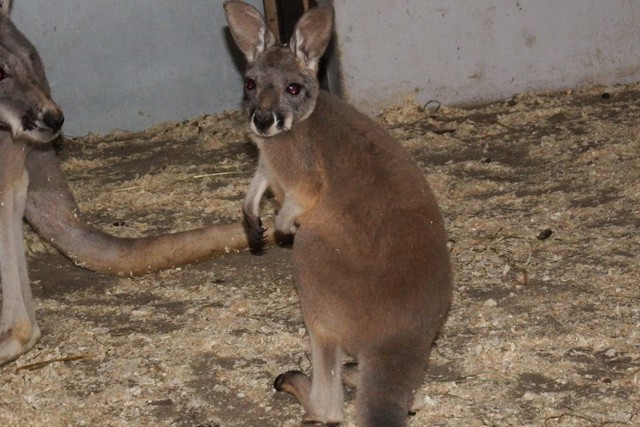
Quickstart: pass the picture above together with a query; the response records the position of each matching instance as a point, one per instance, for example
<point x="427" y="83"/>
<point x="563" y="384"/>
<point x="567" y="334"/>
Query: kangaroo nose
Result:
<point x="263" y="120"/>
<point x="53" y="119"/>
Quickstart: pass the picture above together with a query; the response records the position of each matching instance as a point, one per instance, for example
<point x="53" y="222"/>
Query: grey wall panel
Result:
<point x="471" y="51"/>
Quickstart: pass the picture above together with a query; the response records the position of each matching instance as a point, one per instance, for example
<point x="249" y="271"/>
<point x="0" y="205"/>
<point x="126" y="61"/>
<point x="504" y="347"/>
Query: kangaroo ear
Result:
<point x="248" y="29"/>
<point x="5" y="6"/>
<point x="311" y="35"/>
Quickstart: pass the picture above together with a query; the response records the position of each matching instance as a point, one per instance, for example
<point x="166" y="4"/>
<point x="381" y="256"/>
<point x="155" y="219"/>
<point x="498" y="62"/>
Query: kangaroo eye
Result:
<point x="250" y="84"/>
<point x="294" y="88"/>
<point x="3" y="74"/>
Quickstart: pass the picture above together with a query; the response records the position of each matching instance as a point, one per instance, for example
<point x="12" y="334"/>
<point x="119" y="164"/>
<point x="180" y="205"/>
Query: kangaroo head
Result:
<point x="281" y="86"/>
<point x="26" y="108"/>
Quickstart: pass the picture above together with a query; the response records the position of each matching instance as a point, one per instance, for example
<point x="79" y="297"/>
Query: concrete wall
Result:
<point x="129" y="64"/>
<point x="132" y="63"/>
<point x="471" y="51"/>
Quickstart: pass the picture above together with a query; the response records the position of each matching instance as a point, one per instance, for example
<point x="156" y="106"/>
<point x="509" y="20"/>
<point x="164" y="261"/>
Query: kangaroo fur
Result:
<point x="370" y="252"/>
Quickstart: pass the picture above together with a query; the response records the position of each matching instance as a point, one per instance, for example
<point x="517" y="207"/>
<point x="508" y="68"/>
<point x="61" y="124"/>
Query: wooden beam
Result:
<point x="282" y="16"/>
<point x="271" y="15"/>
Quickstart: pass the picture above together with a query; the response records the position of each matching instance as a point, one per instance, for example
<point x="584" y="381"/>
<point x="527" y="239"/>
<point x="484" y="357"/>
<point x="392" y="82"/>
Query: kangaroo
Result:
<point x="370" y="250"/>
<point x="32" y="185"/>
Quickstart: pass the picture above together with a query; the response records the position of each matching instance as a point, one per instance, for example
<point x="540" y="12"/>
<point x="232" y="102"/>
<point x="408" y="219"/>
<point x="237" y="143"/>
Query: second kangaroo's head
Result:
<point x="26" y="107"/>
<point x="281" y="86"/>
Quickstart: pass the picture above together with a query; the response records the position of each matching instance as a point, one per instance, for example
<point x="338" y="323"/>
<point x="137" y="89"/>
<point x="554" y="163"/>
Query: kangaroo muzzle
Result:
<point x="54" y="119"/>
<point x="41" y="125"/>
<point x="267" y="123"/>
<point x="263" y="121"/>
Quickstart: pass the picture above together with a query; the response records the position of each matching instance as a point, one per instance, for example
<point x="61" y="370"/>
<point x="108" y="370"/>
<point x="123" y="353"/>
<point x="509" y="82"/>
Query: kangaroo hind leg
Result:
<point x="322" y="397"/>
<point x="18" y="327"/>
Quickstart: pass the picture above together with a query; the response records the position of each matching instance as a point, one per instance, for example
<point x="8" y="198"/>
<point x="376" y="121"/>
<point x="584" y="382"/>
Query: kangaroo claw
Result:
<point x="255" y="233"/>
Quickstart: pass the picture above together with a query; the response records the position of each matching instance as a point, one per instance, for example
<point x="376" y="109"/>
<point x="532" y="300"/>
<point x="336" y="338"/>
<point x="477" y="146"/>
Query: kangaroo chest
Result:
<point x="291" y="165"/>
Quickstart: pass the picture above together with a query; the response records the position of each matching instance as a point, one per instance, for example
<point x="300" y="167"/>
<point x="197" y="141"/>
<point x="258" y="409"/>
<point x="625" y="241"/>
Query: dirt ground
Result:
<point x="541" y="195"/>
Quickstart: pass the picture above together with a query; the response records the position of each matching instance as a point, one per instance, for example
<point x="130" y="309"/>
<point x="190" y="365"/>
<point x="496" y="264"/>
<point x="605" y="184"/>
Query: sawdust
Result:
<point x="541" y="194"/>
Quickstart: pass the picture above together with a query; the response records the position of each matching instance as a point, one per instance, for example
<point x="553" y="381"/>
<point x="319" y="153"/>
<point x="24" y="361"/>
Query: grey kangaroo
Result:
<point x="370" y="250"/>
<point x="32" y="184"/>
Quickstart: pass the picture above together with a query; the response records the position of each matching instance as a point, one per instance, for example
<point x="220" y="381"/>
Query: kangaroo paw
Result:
<point x="18" y="341"/>
<point x="286" y="224"/>
<point x="257" y="239"/>
<point x="255" y="232"/>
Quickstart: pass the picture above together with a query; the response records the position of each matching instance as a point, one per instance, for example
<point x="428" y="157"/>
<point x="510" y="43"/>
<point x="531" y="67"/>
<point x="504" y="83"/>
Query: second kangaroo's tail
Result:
<point x="52" y="211"/>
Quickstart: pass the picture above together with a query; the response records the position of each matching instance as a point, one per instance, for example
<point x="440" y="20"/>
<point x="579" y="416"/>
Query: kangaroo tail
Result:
<point x="388" y="380"/>
<point x="52" y="211"/>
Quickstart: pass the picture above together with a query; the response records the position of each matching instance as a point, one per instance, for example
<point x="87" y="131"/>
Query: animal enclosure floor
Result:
<point x="541" y="196"/>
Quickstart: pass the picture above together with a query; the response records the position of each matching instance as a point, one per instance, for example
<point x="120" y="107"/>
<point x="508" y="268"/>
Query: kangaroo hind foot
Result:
<point x="322" y="396"/>
<point x="297" y="384"/>
<point x="18" y="339"/>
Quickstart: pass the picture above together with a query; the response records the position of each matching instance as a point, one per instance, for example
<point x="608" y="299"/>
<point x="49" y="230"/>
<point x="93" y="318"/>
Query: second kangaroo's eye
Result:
<point x="294" y="88"/>
<point x="250" y="84"/>
<point x="3" y="74"/>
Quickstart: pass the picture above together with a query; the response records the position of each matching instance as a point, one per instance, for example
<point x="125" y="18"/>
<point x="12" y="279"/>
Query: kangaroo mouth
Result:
<point x="40" y="135"/>
<point x="45" y="129"/>
<point x="268" y="133"/>
<point x="36" y="133"/>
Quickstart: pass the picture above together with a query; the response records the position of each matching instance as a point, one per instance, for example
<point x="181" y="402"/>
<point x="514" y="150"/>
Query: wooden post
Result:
<point x="282" y="16"/>
<point x="271" y="14"/>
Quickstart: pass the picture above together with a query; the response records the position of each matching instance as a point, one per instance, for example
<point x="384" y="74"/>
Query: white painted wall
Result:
<point x="130" y="64"/>
<point x="471" y="51"/>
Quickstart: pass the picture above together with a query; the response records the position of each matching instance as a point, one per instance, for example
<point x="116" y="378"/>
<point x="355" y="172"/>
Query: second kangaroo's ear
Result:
<point x="248" y="29"/>
<point x="311" y="35"/>
<point x="5" y="7"/>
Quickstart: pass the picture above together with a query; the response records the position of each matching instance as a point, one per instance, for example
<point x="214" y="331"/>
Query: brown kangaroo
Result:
<point x="32" y="184"/>
<point x="370" y="250"/>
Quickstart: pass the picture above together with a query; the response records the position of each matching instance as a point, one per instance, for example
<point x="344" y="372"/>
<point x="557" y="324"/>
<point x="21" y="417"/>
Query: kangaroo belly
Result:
<point x="365" y="294"/>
